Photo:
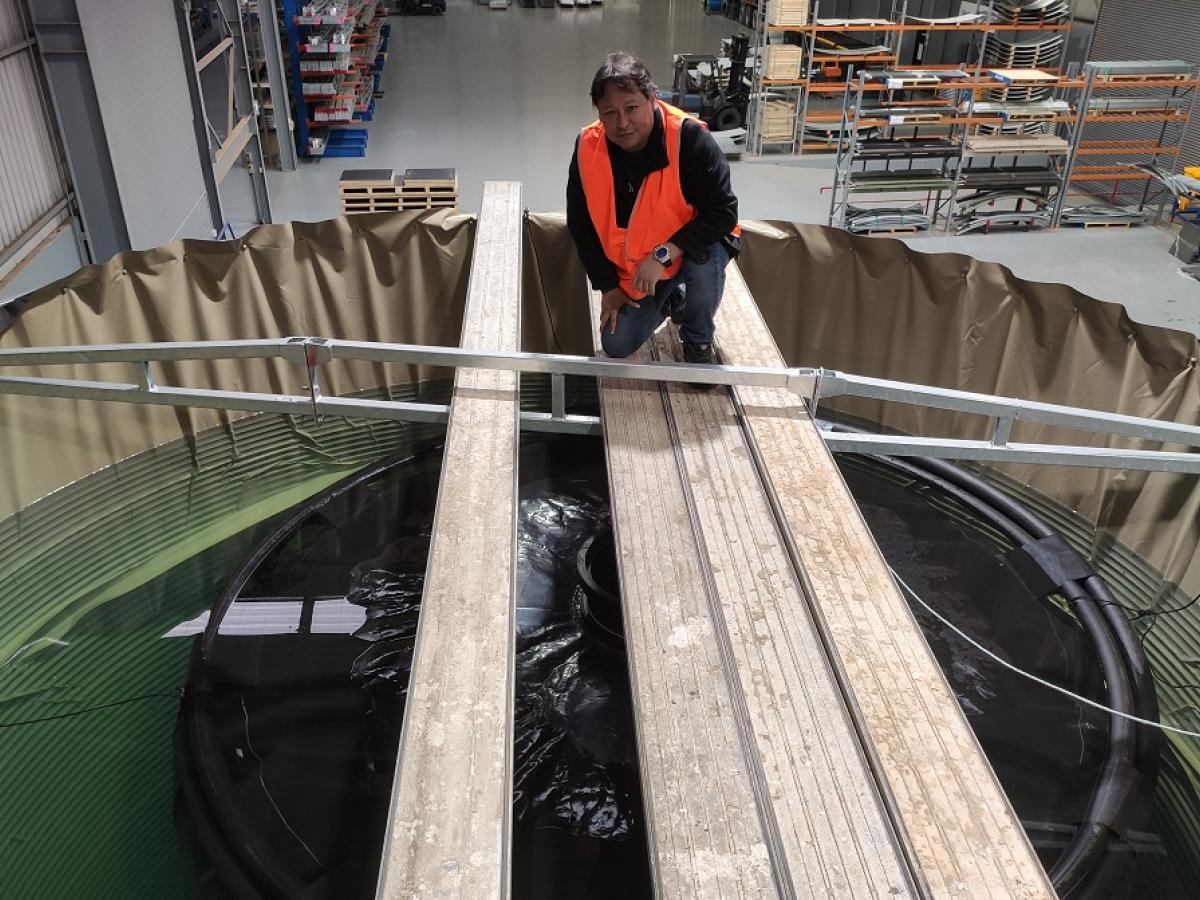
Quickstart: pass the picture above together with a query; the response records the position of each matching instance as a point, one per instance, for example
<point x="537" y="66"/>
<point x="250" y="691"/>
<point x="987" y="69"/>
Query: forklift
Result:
<point x="697" y="86"/>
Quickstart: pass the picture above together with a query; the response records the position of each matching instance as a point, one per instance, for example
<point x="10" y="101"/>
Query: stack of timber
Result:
<point x="1016" y="144"/>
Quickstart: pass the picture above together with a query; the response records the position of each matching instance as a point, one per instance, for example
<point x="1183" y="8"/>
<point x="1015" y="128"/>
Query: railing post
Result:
<point x="1002" y="430"/>
<point x="145" y="378"/>
<point x="558" y="396"/>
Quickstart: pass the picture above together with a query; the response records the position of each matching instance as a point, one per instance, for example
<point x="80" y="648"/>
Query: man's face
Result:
<point x="627" y="117"/>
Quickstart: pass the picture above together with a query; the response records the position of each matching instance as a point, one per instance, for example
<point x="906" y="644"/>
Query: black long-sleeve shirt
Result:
<point x="704" y="175"/>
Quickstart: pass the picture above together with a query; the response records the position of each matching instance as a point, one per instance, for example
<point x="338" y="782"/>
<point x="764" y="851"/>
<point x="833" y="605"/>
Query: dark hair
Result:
<point x="624" y="70"/>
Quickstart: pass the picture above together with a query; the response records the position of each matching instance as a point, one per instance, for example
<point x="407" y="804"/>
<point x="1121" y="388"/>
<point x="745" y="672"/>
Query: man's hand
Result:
<point x="648" y="274"/>
<point x="611" y="303"/>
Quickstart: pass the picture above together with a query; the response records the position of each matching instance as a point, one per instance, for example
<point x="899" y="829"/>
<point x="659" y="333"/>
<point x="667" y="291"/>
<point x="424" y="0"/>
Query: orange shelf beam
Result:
<point x="917" y="26"/>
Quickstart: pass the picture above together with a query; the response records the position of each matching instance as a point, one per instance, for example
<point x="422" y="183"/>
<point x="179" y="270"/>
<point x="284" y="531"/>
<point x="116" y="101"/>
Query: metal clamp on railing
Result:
<point x="316" y="352"/>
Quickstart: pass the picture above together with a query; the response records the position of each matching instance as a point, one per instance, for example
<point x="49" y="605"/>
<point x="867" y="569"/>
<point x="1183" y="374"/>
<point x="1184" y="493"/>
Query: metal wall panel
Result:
<point x="11" y="28"/>
<point x="137" y="67"/>
<point x="32" y="180"/>
<point x="1150" y="29"/>
<point x="58" y="257"/>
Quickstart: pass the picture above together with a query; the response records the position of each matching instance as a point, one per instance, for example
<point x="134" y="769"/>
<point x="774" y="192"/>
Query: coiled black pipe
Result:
<point x="1127" y="777"/>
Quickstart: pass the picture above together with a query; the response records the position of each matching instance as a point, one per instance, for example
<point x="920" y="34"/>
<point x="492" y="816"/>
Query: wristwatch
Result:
<point x="662" y="255"/>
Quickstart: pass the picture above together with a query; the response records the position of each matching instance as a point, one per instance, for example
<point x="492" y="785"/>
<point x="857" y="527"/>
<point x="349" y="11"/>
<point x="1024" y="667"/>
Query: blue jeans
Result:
<point x="705" y="283"/>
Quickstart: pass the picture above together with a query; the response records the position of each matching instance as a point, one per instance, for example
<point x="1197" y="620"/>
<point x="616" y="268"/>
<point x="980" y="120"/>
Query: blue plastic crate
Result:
<point x="347" y="142"/>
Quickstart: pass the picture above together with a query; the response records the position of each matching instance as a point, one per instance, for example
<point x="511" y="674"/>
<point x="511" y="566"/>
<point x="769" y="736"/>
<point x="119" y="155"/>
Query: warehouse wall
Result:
<point x="55" y="256"/>
<point x="33" y="180"/>
<point x="1151" y="29"/>
<point x="137" y="66"/>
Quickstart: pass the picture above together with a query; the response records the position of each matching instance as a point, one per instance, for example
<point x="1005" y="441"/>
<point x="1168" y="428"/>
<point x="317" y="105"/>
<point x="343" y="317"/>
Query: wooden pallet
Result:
<point x="382" y="190"/>
<point x="1030" y="116"/>
<point x="395" y="205"/>
<point x="368" y="190"/>
<point x="434" y="193"/>
<point x="1147" y="113"/>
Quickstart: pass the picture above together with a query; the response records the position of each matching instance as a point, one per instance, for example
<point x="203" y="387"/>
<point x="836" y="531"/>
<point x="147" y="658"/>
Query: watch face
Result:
<point x="662" y="254"/>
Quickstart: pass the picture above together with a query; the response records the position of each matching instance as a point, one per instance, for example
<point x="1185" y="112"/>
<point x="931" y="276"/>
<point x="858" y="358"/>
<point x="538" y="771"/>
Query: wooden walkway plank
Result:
<point x="964" y="837"/>
<point x="706" y="839"/>
<point x="449" y="827"/>
<point x="833" y="831"/>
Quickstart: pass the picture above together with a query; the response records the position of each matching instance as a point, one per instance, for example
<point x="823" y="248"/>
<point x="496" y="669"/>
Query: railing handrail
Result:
<point x="812" y="385"/>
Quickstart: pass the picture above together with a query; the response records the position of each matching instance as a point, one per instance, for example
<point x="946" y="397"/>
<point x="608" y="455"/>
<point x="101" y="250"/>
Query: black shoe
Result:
<point x="676" y="301"/>
<point x="698" y="353"/>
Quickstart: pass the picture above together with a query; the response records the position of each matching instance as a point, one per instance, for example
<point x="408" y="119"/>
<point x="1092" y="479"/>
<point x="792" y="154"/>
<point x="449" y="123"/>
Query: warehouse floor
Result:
<point x="500" y="94"/>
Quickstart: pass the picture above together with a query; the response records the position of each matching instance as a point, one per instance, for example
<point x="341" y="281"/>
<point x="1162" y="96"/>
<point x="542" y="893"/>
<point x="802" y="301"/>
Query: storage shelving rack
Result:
<point x="1034" y="175"/>
<point x="1027" y="102"/>
<point x="1035" y="189"/>
<point x="795" y="89"/>
<point x="336" y="59"/>
<point x="266" y="59"/>
<point x="805" y="87"/>
<point x="1031" y="189"/>
<point x="1134" y="94"/>
<point x="916" y="116"/>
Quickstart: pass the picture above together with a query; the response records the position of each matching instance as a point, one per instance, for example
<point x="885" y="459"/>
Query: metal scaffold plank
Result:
<point x="449" y="828"/>
<point x="738" y="712"/>
<point x="964" y="838"/>
<point x="706" y="838"/>
<point x="831" y="831"/>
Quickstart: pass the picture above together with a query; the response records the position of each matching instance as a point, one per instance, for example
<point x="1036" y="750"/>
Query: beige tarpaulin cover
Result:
<point x="399" y="278"/>
<point x="861" y="305"/>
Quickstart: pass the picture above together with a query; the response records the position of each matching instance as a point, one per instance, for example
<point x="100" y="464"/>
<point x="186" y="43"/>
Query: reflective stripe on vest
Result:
<point x="659" y="211"/>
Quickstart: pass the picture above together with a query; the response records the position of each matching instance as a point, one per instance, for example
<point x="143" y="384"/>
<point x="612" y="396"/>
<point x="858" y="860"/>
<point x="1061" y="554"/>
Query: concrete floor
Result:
<point x="500" y="94"/>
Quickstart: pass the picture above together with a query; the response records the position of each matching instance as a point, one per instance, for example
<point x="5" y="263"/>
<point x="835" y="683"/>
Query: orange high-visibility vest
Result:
<point x="659" y="211"/>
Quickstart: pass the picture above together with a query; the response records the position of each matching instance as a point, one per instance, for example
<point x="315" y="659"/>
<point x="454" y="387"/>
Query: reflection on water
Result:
<point x="86" y="724"/>
<point x="1046" y="749"/>
<point x="292" y="719"/>
<point x="272" y="778"/>
<point x="579" y="826"/>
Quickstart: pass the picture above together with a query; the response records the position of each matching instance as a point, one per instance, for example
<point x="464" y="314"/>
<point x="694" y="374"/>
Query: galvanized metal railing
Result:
<point x="811" y="385"/>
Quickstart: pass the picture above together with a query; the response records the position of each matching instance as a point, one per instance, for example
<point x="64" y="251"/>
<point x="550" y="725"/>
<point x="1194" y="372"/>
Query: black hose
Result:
<point x="214" y="791"/>
<point x="1137" y="666"/>
<point x="1111" y="790"/>
<point x="1145" y="695"/>
<point x="1127" y="776"/>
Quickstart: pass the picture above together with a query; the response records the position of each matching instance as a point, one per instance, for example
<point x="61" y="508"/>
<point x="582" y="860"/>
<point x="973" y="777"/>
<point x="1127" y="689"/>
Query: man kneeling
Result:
<point x="651" y="211"/>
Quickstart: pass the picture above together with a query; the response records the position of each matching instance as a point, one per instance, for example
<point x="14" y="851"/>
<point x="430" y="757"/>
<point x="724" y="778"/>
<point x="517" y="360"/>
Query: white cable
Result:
<point x="1054" y="687"/>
